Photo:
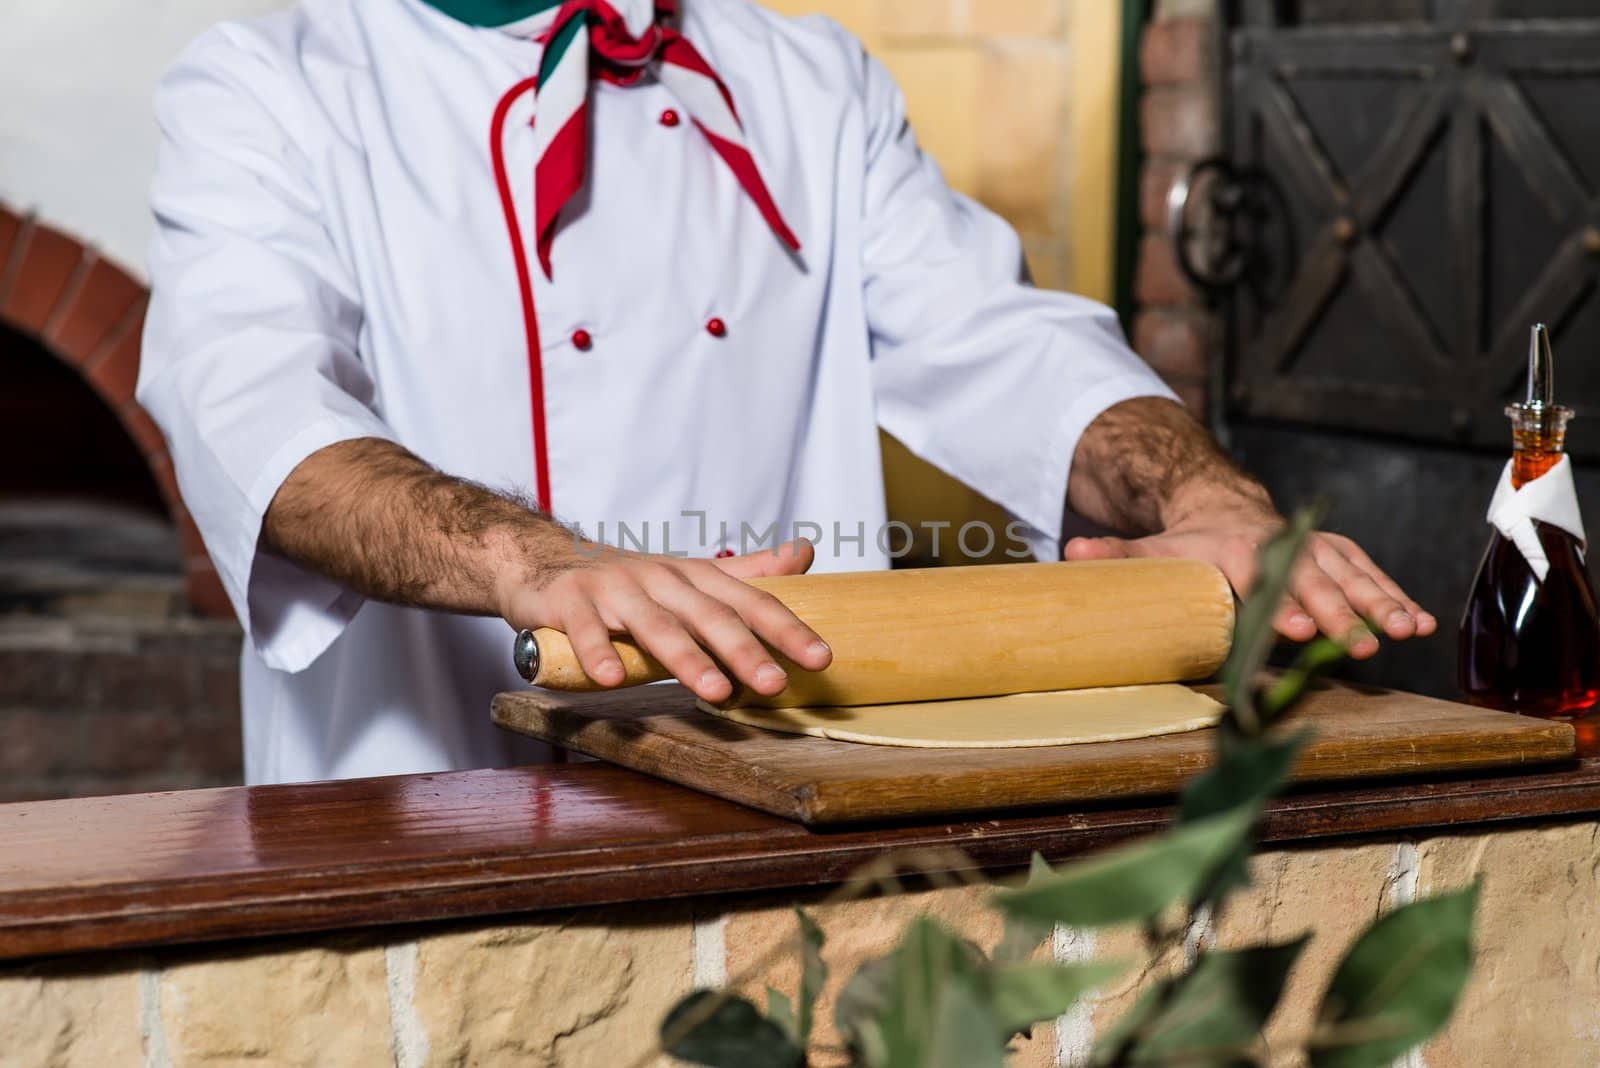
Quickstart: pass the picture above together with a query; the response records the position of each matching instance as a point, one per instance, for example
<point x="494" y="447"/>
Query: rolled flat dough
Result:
<point x="1056" y="717"/>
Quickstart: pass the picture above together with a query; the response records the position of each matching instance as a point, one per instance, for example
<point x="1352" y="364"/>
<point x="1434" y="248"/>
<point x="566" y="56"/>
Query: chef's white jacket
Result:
<point x="332" y="262"/>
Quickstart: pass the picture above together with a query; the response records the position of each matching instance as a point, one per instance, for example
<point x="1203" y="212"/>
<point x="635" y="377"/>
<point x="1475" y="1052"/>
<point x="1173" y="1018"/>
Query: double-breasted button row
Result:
<point x="583" y="341"/>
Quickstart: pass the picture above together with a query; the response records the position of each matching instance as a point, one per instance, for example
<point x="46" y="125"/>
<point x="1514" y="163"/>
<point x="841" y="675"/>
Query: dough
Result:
<point x="1056" y="717"/>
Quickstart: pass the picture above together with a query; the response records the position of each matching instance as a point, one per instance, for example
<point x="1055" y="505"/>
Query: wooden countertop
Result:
<point x="152" y="869"/>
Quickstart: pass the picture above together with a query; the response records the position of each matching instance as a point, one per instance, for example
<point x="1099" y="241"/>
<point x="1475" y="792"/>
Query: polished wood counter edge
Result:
<point x="92" y="874"/>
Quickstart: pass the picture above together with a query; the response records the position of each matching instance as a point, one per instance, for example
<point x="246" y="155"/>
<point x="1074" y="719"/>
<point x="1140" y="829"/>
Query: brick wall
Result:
<point x="105" y="706"/>
<point x="112" y="678"/>
<point x="89" y="312"/>
<point x="1178" y="125"/>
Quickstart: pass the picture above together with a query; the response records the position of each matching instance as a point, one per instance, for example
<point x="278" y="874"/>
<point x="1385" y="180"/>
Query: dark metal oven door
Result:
<point x="1417" y="196"/>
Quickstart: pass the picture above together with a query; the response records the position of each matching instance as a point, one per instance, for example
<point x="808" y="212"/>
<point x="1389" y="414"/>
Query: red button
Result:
<point x="669" y="118"/>
<point x="723" y="554"/>
<point x="581" y="340"/>
<point x="717" y="328"/>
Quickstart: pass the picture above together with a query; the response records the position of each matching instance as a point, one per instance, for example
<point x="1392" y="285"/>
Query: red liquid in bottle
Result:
<point x="1530" y="646"/>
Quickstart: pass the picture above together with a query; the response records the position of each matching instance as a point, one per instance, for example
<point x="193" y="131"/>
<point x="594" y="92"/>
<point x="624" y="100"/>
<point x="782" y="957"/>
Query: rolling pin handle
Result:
<point x="525" y="653"/>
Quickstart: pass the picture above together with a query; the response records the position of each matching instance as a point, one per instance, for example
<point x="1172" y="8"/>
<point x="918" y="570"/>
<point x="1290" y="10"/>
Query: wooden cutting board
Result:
<point x="1361" y="732"/>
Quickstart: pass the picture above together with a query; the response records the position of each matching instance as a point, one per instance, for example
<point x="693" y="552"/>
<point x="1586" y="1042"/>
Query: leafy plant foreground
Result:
<point x="938" y="1001"/>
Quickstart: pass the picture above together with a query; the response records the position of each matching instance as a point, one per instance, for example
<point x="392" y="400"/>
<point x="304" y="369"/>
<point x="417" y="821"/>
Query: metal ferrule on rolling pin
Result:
<point x="939" y="633"/>
<point x="525" y="654"/>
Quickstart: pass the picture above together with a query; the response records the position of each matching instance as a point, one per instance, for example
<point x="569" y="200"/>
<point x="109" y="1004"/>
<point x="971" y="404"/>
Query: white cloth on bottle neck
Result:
<point x="1551" y="498"/>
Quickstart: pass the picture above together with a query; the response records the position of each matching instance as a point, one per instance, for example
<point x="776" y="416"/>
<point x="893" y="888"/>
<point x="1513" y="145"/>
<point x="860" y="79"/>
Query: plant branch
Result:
<point x="946" y="868"/>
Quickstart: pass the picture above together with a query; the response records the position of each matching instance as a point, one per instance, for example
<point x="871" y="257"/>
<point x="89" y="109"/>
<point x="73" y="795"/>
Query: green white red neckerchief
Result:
<point x="493" y="12"/>
<point x="618" y="41"/>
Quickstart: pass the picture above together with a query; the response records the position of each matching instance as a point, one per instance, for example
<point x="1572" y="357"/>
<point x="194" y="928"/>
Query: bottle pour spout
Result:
<point x="1538" y="424"/>
<point x="1540" y="414"/>
<point x="1541" y="369"/>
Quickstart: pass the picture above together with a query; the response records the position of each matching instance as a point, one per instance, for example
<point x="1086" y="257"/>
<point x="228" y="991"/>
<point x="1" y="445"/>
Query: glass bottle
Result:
<point x="1530" y="645"/>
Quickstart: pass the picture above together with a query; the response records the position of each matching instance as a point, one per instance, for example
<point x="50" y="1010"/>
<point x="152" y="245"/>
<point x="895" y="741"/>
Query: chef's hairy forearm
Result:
<point x="1145" y="465"/>
<point x="378" y="519"/>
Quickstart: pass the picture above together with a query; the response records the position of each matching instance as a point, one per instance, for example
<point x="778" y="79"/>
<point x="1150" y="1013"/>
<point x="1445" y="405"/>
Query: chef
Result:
<point x="476" y="312"/>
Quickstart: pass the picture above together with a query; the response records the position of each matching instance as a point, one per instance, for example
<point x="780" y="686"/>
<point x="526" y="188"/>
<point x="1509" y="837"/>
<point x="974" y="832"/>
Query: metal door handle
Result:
<point x="1226" y="224"/>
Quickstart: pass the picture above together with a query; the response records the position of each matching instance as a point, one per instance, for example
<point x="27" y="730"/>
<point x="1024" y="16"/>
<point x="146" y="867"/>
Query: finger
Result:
<point x="1364" y="594"/>
<point x="1293" y="622"/>
<point x="1241" y="566"/>
<point x="1098" y="549"/>
<point x="790" y="558"/>
<point x="719" y="629"/>
<point x="664" y="637"/>
<point x="1426" y="622"/>
<point x="591" y="643"/>
<point x="1327" y="605"/>
<point x="769" y="618"/>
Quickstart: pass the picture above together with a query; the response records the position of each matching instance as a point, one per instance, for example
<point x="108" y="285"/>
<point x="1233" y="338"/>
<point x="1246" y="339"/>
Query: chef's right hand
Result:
<point x="681" y="611"/>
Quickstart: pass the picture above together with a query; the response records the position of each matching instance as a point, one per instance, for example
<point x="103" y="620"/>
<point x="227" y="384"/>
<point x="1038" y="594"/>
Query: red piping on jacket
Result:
<point x="530" y="320"/>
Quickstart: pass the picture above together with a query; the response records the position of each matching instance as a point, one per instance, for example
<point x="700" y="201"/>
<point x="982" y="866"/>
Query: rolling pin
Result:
<point x="938" y="633"/>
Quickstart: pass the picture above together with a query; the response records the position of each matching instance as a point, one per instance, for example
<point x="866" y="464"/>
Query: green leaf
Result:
<point x="1029" y="994"/>
<point x="926" y="959"/>
<point x="1136" y="882"/>
<point x="1225" y="1002"/>
<point x="964" y="1034"/>
<point x="889" y="1009"/>
<point x="1247" y="772"/>
<point x="1210" y="1015"/>
<point x="813" y="974"/>
<point x="735" y="1035"/>
<point x="1398" y="984"/>
<point x="1023" y="934"/>
<point x="1310" y="664"/>
<point x="860" y="1003"/>
<point x="780" y="1010"/>
<point x="1253" y="636"/>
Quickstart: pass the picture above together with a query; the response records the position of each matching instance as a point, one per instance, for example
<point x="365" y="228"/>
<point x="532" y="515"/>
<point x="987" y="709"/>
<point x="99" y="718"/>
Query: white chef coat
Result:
<point x="332" y="262"/>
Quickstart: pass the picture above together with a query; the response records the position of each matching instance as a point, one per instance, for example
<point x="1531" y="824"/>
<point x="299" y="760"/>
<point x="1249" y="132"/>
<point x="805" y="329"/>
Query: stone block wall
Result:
<point x="1017" y="101"/>
<point x="587" y="989"/>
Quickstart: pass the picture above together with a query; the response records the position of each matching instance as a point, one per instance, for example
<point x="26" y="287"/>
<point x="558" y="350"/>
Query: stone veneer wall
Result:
<point x="1017" y="101"/>
<point x="587" y="989"/>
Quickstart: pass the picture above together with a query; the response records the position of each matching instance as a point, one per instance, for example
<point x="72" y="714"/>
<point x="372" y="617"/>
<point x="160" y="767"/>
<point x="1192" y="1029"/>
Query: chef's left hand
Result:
<point x="1334" y="587"/>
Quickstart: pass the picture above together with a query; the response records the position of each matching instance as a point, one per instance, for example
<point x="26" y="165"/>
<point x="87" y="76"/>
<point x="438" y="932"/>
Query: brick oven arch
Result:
<point x="89" y="313"/>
